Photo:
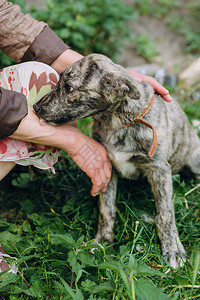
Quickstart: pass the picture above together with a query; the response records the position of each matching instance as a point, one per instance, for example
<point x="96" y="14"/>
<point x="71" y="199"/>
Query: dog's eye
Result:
<point x="69" y="88"/>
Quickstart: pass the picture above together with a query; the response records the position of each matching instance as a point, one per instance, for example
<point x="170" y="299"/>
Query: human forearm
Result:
<point x="67" y="58"/>
<point x="90" y="156"/>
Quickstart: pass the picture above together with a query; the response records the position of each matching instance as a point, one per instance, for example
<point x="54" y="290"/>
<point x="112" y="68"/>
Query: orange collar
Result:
<point x="139" y="120"/>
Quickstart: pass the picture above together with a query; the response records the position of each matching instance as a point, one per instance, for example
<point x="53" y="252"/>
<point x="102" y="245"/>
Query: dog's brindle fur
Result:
<point x="95" y="86"/>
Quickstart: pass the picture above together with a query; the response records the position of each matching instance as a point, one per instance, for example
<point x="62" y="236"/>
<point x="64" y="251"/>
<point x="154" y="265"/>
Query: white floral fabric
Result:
<point x="34" y="80"/>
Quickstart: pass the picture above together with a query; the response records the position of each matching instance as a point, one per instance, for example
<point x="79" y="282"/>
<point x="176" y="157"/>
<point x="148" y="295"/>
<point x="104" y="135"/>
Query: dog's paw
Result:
<point x="101" y="240"/>
<point x="175" y="258"/>
<point x="98" y="241"/>
<point x="104" y="236"/>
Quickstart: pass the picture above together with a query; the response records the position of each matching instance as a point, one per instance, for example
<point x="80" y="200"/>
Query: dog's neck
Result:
<point x="123" y="112"/>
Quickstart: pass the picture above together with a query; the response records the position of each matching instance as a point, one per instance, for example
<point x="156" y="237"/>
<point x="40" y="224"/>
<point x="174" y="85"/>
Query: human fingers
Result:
<point x="161" y="90"/>
<point x="100" y="178"/>
<point x="153" y="82"/>
<point x="137" y="76"/>
<point x="167" y="97"/>
<point x="97" y="184"/>
<point x="92" y="158"/>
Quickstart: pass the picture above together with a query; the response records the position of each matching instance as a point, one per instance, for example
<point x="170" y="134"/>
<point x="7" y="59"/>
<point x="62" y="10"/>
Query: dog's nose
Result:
<point x="36" y="107"/>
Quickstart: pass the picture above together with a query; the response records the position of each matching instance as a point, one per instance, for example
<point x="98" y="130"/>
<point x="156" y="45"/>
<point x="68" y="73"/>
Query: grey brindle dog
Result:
<point x="95" y="86"/>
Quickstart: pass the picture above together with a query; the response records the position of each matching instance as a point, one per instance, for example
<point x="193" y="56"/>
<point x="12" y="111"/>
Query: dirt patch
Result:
<point x="170" y="46"/>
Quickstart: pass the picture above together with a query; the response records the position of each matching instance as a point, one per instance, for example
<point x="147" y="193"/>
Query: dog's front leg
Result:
<point x="107" y="211"/>
<point x="160" y="179"/>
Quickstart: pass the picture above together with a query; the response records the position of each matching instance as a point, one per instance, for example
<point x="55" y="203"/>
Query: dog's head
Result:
<point x="86" y="88"/>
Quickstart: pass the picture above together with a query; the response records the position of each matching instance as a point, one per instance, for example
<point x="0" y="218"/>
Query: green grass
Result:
<point x="48" y="222"/>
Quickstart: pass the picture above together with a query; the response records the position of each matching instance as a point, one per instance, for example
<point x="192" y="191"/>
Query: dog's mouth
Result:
<point x="42" y="122"/>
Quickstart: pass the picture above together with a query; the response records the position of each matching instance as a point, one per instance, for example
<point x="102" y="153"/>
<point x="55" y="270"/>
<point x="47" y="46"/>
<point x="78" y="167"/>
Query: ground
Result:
<point x="170" y="45"/>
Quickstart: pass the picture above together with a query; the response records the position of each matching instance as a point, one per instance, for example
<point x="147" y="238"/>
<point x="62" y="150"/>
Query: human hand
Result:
<point x="163" y="92"/>
<point x="91" y="157"/>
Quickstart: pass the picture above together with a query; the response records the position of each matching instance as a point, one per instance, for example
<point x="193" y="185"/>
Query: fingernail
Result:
<point x="165" y="90"/>
<point x="168" y="98"/>
<point x="94" y="195"/>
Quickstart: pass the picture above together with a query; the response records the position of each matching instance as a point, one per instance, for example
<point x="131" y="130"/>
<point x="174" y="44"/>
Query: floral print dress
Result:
<point x="34" y="80"/>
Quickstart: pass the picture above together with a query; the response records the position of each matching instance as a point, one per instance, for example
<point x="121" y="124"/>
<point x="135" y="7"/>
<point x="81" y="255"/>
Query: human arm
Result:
<point x="38" y="42"/>
<point x="74" y="142"/>
<point x="21" y="123"/>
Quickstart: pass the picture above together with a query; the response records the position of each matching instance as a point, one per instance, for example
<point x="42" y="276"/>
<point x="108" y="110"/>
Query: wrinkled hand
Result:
<point x="91" y="157"/>
<point x="163" y="92"/>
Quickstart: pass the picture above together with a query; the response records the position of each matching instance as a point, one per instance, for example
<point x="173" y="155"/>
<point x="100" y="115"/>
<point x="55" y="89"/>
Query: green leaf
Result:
<point x="79" y="241"/>
<point x="77" y="296"/>
<point x="78" y="275"/>
<point x="25" y="258"/>
<point x="22" y="181"/>
<point x="14" y="297"/>
<point x="26" y="227"/>
<point x="104" y="287"/>
<point x="140" y="268"/>
<point x="59" y="287"/>
<point x="88" y="285"/>
<point x="62" y="238"/>
<point x="7" y="278"/>
<point x="36" y="289"/>
<point x="9" y="239"/>
<point x="3" y="224"/>
<point x="92" y="297"/>
<point x="145" y="290"/>
<point x="196" y="266"/>
<point x="124" y="250"/>
<point x="181" y="280"/>
<point x="20" y="289"/>
<point x="72" y="259"/>
<point x="86" y="258"/>
<point x="115" y="266"/>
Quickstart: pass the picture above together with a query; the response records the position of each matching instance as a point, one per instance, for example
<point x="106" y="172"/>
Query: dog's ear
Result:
<point x="119" y="86"/>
